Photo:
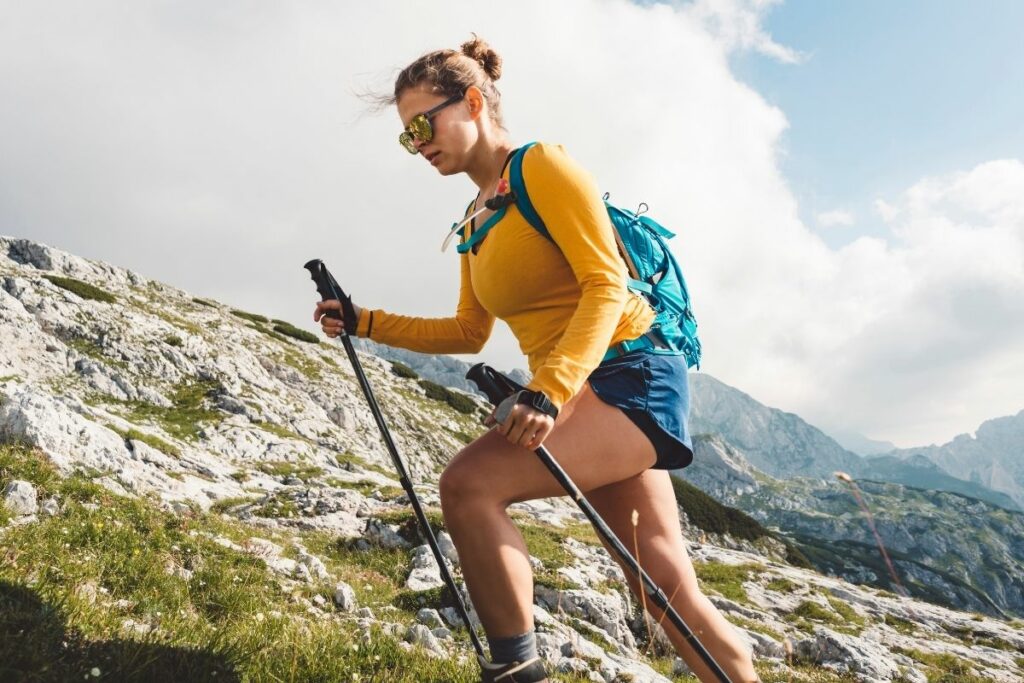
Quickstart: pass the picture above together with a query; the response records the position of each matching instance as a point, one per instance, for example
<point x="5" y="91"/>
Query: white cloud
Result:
<point x="220" y="147"/>
<point x="887" y="211"/>
<point x="830" y="219"/>
<point x="737" y="25"/>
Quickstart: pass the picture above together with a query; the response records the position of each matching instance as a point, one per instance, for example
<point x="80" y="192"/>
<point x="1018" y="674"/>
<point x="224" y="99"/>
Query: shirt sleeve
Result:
<point x="567" y="199"/>
<point x="467" y="332"/>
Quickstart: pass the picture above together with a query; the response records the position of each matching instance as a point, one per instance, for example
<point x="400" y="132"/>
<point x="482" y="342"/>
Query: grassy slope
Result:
<point x="69" y="583"/>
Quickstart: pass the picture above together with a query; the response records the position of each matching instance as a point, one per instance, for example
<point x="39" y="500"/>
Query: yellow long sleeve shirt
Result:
<point x="566" y="304"/>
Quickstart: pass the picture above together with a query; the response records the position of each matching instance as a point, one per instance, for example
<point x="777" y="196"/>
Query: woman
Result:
<point x="614" y="425"/>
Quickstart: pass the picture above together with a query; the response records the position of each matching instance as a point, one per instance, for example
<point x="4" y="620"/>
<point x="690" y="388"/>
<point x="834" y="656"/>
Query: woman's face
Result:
<point x="454" y="129"/>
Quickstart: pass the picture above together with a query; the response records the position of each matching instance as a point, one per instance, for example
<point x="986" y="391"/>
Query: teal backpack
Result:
<point x="654" y="272"/>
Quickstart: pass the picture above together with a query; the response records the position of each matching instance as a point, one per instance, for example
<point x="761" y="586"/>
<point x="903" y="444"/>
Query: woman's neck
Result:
<point x="485" y="169"/>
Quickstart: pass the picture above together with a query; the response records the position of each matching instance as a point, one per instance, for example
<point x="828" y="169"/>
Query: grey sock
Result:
<point x="514" y="649"/>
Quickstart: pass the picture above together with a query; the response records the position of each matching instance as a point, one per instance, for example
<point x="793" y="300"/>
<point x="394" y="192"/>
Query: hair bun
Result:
<point x="478" y="50"/>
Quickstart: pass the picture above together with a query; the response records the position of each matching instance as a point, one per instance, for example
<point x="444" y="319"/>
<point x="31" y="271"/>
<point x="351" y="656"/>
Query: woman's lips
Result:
<point x="432" y="158"/>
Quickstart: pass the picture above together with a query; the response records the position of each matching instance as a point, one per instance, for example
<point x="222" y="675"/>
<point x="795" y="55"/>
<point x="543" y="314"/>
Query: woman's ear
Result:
<point x="475" y="98"/>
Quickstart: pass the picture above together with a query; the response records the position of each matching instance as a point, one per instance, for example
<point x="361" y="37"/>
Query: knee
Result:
<point x="462" y="490"/>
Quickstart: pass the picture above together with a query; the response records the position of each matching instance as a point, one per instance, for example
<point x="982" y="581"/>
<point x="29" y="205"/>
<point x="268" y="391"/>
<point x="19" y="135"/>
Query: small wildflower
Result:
<point x="95" y="671"/>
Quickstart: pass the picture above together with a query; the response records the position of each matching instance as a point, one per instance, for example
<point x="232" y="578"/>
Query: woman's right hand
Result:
<point x="332" y="327"/>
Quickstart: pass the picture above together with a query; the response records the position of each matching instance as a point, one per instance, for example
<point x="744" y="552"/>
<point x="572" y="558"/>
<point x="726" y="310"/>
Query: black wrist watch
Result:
<point x="535" y="399"/>
<point x="538" y="401"/>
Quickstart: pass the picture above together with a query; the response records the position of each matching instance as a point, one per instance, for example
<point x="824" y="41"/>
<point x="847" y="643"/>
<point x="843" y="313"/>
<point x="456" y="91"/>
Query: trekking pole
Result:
<point x="328" y="288"/>
<point x="498" y="387"/>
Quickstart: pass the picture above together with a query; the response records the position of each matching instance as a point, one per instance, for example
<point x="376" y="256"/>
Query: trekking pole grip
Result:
<point x="495" y="385"/>
<point x="328" y="288"/>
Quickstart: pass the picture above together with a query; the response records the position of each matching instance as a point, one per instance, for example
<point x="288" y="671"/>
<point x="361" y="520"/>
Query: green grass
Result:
<point x="225" y="504"/>
<point x="944" y="667"/>
<point x="276" y="505"/>
<point x="850" y="621"/>
<point x="82" y="289"/>
<point x="591" y="633"/>
<point x="459" y="402"/>
<point x="403" y="370"/>
<point x="841" y="617"/>
<point x="253" y="317"/>
<point x="755" y="626"/>
<point x="17" y="461"/>
<point x="900" y="624"/>
<point x="278" y="430"/>
<point x="351" y="461"/>
<point x="726" y="579"/>
<point x="203" y="302"/>
<point x="781" y="585"/>
<point x="270" y="333"/>
<point x="463" y="436"/>
<point x="815" y="612"/>
<point x="148" y="439"/>
<point x="546" y="543"/>
<point x="996" y="643"/>
<point x="969" y="636"/>
<point x="801" y="673"/>
<point x="188" y="413"/>
<point x="173" y="340"/>
<point x="303" y="471"/>
<point x="308" y="367"/>
<point x="232" y="620"/>
<point x="159" y="310"/>
<point x="220" y="624"/>
<point x="289" y="330"/>
<point x="365" y="487"/>
<point x="89" y="347"/>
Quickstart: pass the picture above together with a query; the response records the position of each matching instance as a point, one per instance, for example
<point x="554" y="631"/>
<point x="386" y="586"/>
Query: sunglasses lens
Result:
<point x="421" y="128"/>
<point x="405" y="139"/>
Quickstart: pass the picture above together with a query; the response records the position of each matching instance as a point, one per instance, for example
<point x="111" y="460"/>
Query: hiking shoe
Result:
<point x="530" y="671"/>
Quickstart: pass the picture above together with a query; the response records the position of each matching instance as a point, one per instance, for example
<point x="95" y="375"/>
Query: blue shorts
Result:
<point x="653" y="390"/>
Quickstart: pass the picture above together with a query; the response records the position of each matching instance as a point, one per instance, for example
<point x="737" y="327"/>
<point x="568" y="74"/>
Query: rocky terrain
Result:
<point x="945" y="547"/>
<point x="205" y="489"/>
<point x="927" y="531"/>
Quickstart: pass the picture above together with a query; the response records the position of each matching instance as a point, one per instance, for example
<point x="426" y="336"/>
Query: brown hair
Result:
<point x="451" y="72"/>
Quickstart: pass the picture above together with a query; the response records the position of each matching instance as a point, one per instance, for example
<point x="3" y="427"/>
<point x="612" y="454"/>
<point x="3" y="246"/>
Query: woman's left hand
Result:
<point x="525" y="426"/>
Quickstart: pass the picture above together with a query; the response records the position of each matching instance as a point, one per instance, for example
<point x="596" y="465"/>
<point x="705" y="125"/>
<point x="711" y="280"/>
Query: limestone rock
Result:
<point x="20" y="498"/>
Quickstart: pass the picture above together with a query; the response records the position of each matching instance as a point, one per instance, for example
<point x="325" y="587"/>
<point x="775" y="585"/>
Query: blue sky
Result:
<point x="887" y="93"/>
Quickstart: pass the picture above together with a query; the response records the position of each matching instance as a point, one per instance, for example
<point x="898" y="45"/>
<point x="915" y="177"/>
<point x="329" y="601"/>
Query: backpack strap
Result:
<point x="479" y="234"/>
<point x="523" y="203"/>
<point x="526" y="208"/>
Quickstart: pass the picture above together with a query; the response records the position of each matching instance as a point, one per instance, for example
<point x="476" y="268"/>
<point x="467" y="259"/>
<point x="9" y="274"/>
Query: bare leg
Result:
<point x="595" y="443"/>
<point x="663" y="556"/>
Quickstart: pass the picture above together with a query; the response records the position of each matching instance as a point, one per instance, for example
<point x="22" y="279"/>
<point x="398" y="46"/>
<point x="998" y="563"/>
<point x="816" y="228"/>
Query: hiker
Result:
<point x="616" y="422"/>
